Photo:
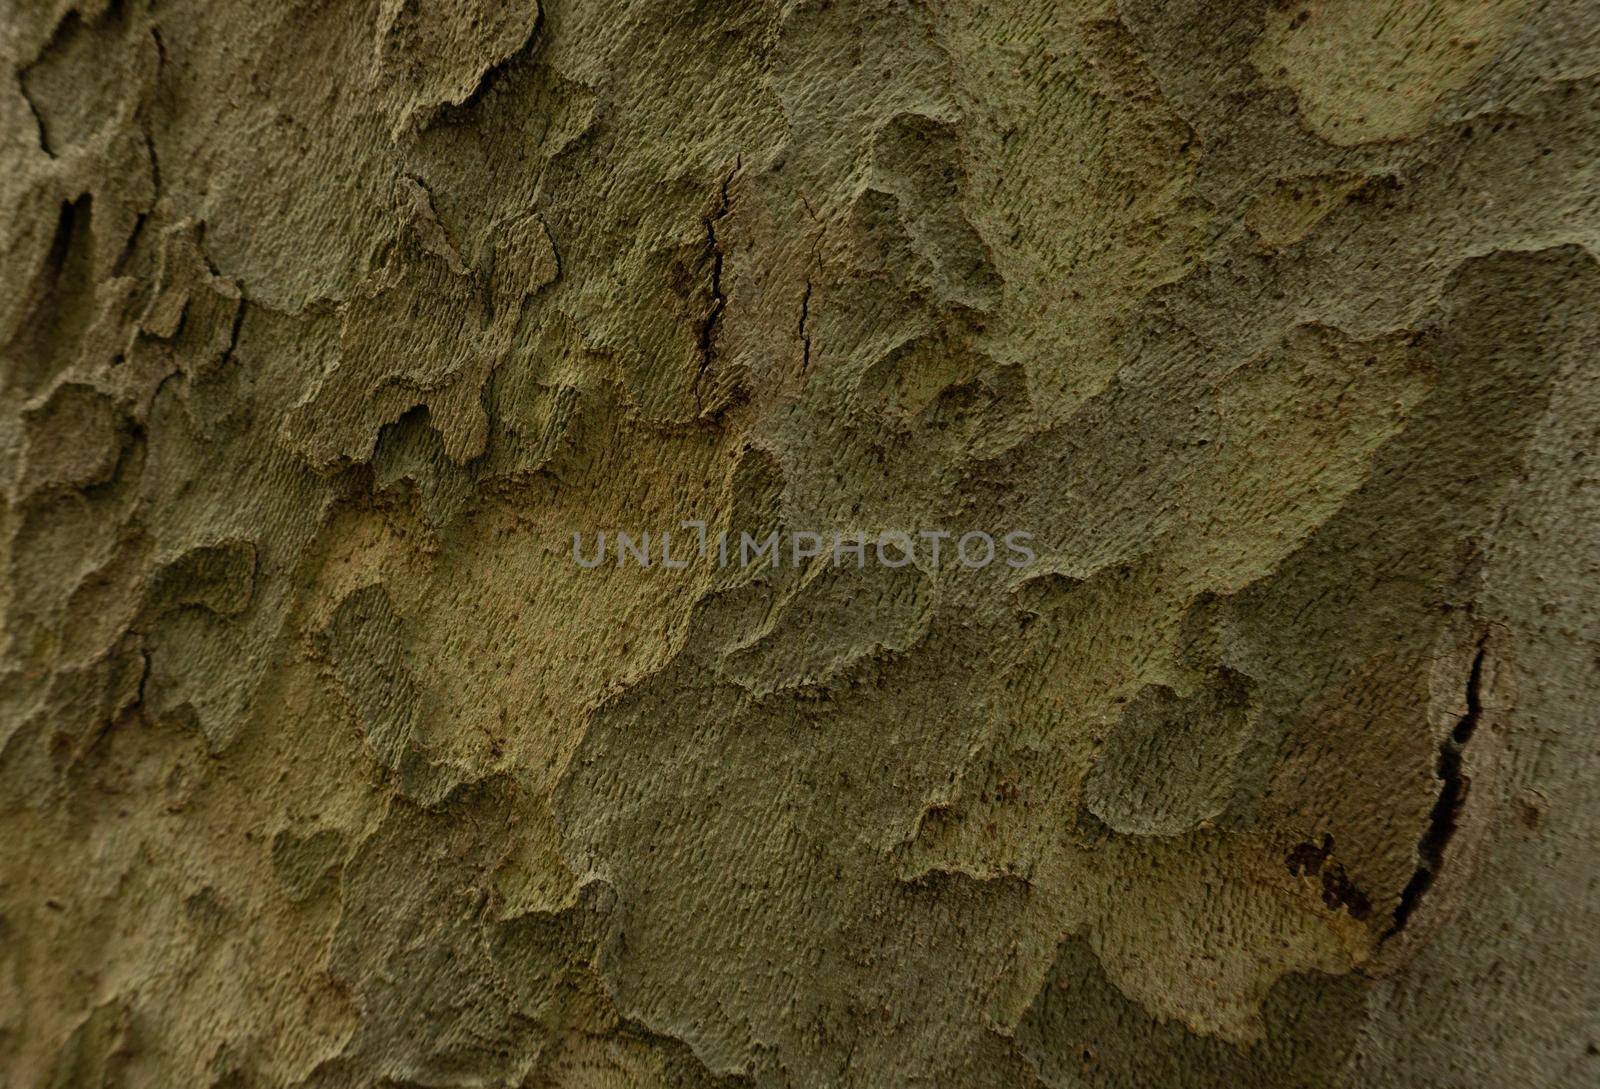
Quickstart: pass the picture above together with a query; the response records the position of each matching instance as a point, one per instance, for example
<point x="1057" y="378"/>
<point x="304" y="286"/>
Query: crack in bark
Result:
<point x="814" y="265"/>
<point x="143" y="117"/>
<point x="1447" y="810"/>
<point x="125" y="254"/>
<point x="233" y="332"/>
<point x="805" y="337"/>
<point x="710" y="324"/>
<point x="38" y="118"/>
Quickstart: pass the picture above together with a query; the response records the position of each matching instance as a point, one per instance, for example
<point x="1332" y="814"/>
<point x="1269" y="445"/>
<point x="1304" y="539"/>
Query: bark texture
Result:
<point x="325" y="326"/>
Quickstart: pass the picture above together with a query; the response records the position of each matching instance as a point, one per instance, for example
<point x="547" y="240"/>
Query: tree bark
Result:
<point x="344" y="742"/>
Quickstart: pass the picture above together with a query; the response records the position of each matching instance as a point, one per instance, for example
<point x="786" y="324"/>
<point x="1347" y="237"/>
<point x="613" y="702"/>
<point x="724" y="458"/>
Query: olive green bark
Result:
<point x="325" y="326"/>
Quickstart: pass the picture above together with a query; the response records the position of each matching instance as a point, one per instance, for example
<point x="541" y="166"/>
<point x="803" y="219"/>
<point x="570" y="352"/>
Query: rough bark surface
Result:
<point x="325" y="326"/>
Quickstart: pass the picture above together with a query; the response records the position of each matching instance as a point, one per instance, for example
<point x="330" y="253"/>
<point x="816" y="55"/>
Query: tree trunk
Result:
<point x="401" y="683"/>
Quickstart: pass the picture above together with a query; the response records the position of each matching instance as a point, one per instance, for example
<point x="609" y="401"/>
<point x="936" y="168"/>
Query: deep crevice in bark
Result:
<point x="1447" y="810"/>
<point x="710" y="324"/>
